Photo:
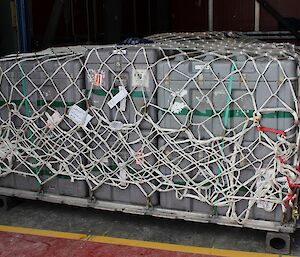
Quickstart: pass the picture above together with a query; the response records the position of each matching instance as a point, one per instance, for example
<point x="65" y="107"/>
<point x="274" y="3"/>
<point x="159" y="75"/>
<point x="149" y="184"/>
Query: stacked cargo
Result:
<point x="214" y="97"/>
<point x="120" y="86"/>
<point x="195" y="126"/>
<point x="38" y="90"/>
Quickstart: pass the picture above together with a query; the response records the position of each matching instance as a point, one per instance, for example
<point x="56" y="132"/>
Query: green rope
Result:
<point x="31" y="138"/>
<point x="226" y="121"/>
<point x="226" y="118"/>
<point x="227" y="111"/>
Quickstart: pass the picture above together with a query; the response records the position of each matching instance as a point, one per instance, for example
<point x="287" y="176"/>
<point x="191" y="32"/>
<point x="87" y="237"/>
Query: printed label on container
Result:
<point x="267" y="206"/>
<point x="140" y="78"/>
<point x="201" y="67"/>
<point x="119" y="51"/>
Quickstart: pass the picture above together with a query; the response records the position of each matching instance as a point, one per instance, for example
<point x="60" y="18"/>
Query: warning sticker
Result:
<point x="96" y="78"/>
<point x="140" y="78"/>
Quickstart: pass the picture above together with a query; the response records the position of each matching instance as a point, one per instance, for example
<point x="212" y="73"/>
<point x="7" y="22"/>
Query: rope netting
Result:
<point x="211" y="117"/>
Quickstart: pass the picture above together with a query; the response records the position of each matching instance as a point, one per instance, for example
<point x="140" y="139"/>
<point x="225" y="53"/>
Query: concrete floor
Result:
<point x="41" y="215"/>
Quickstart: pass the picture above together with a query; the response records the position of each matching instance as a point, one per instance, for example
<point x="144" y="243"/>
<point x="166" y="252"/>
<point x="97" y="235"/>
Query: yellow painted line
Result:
<point x="134" y="243"/>
<point x="40" y="232"/>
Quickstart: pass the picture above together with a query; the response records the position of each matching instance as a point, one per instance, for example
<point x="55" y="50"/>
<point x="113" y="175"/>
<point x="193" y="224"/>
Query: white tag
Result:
<point x="53" y="120"/>
<point x="104" y="159"/>
<point x="118" y="97"/>
<point x="79" y="116"/>
<point x="6" y="149"/>
<point x="264" y="180"/>
<point x="140" y="78"/>
<point x="201" y="67"/>
<point x="122" y="103"/>
<point x="267" y="206"/>
<point x="116" y="125"/>
<point x="119" y="51"/>
<point x="123" y="176"/>
<point x="177" y="107"/>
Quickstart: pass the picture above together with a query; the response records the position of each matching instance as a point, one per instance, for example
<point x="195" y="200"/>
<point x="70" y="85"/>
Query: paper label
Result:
<point x="119" y="51"/>
<point x="54" y="120"/>
<point x="79" y="116"/>
<point x="118" y="97"/>
<point x="267" y="206"/>
<point x="105" y="159"/>
<point x="123" y="176"/>
<point x="264" y="181"/>
<point x="177" y="107"/>
<point x="201" y="67"/>
<point x="140" y="78"/>
<point x="122" y="103"/>
<point x="116" y="125"/>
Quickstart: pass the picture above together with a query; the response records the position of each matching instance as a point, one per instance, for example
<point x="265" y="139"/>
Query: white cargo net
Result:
<point x="209" y="118"/>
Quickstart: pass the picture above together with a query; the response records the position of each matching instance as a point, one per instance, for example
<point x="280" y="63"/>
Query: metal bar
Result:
<point x="257" y="16"/>
<point x="278" y="17"/>
<point x="153" y="211"/>
<point x="270" y="35"/>
<point x="22" y="25"/>
<point x="210" y="15"/>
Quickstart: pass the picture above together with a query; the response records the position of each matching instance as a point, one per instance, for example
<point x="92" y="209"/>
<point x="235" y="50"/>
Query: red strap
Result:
<point x="290" y="197"/>
<point x="281" y="159"/>
<point x="291" y="185"/>
<point x="260" y="128"/>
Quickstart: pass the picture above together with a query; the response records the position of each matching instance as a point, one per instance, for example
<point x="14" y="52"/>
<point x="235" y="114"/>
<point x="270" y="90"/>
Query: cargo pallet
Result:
<point x="149" y="211"/>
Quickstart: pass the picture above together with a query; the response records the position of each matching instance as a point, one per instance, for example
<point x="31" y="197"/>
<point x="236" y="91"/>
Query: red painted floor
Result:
<point x="19" y="245"/>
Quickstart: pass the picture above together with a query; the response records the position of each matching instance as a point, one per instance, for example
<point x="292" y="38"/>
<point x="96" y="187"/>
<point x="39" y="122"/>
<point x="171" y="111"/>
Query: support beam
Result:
<point x="279" y="18"/>
<point x="257" y="16"/>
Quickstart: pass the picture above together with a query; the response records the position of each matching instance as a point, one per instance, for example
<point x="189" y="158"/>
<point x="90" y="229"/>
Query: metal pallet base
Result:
<point x="153" y="211"/>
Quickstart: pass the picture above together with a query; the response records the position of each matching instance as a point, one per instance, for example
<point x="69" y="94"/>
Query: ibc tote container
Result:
<point x="194" y="95"/>
<point x="33" y="85"/>
<point x="108" y="70"/>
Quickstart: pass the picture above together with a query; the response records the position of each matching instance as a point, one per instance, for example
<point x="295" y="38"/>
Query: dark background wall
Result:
<point x="104" y="21"/>
<point x="8" y="28"/>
